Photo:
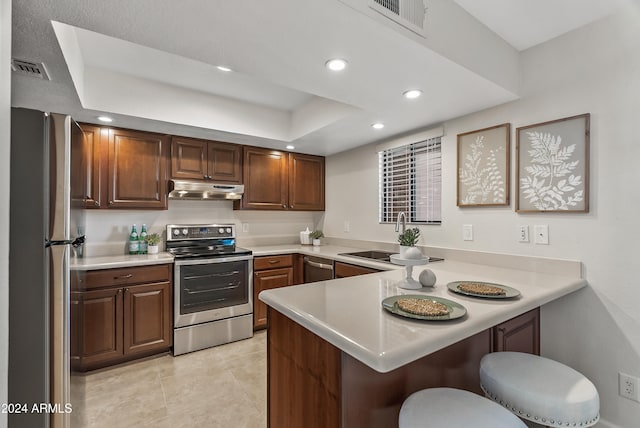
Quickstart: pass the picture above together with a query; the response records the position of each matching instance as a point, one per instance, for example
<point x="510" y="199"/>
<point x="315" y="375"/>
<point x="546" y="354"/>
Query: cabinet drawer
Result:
<point x="270" y="262"/>
<point x="124" y="276"/>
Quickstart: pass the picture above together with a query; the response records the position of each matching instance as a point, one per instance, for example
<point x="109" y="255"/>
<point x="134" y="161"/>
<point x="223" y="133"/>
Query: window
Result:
<point x="411" y="181"/>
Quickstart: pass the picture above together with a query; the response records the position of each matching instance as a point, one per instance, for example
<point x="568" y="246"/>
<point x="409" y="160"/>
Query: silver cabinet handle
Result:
<point x="123" y="276"/>
<point x="284" y="205"/>
<point x="318" y="265"/>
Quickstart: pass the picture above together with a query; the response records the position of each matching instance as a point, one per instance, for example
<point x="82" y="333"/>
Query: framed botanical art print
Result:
<point x="483" y="167"/>
<point x="552" y="171"/>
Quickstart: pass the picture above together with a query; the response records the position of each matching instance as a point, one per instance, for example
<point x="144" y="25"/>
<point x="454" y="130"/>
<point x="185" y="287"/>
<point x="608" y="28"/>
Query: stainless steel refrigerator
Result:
<point x="47" y="199"/>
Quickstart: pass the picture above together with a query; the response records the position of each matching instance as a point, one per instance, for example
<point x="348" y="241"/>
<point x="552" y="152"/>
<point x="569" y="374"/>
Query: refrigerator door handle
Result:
<point x="75" y="242"/>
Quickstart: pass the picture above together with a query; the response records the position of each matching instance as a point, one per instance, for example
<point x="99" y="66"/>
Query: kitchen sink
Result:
<point x="379" y="256"/>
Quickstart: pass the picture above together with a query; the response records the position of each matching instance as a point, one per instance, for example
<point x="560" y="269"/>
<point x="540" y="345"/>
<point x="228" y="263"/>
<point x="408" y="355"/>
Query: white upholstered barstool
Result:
<point x="454" y="408"/>
<point x="541" y="390"/>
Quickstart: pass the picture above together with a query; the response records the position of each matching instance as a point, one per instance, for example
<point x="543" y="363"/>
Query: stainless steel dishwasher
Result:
<point x="317" y="269"/>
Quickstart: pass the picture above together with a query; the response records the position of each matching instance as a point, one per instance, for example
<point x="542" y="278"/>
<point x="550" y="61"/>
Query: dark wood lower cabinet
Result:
<point x="520" y="334"/>
<point x="312" y="383"/>
<point x="147" y="320"/>
<point x="120" y="322"/>
<point x="267" y="280"/>
<point x="96" y="325"/>
<point x="344" y="270"/>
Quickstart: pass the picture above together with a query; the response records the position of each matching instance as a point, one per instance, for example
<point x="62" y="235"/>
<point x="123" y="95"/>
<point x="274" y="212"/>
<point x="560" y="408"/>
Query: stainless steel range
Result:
<point x="213" y="298"/>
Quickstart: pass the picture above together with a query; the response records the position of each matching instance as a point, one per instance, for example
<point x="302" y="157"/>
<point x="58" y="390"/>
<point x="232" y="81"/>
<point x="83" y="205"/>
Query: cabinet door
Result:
<point x="266" y="280"/>
<point x="520" y="334"/>
<point x="147" y="318"/>
<point x="306" y="182"/>
<point x="96" y="151"/>
<point x="225" y="162"/>
<point x="96" y="327"/>
<point x="188" y="158"/>
<point x="137" y="169"/>
<point x="265" y="179"/>
<point x="344" y="270"/>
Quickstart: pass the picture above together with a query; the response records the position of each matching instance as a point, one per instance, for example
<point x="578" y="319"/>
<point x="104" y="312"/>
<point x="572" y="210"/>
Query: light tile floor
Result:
<point x="224" y="386"/>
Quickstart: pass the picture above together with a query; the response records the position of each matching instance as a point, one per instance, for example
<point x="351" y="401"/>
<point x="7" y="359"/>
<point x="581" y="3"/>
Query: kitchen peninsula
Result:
<point x="337" y="358"/>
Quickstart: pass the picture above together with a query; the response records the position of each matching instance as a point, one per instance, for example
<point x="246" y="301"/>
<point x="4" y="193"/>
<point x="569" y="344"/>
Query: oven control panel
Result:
<point x="200" y="231"/>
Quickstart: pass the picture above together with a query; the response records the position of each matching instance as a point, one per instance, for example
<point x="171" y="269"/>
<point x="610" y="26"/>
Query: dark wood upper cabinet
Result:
<point x="266" y="183"/>
<point x="276" y="180"/>
<point x="188" y="158"/>
<point x="306" y="182"/>
<point x="225" y="162"/>
<point x="205" y="160"/>
<point x="125" y="168"/>
<point x="137" y="169"/>
<point x="97" y="156"/>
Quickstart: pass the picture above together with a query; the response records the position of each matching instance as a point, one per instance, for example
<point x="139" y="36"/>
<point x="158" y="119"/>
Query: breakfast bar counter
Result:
<point x="332" y="344"/>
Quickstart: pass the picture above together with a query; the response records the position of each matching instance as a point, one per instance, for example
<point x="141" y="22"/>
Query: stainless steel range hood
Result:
<point x="204" y="191"/>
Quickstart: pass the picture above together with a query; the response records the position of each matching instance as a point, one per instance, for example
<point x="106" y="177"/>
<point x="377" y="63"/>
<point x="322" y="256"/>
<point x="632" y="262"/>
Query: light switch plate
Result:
<point x="467" y="232"/>
<point x="245" y="227"/>
<point x="541" y="232"/>
<point x="346" y="226"/>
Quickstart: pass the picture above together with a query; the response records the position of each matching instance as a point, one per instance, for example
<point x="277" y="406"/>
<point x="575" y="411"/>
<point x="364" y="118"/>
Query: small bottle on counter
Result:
<point x="143" y="242"/>
<point x="134" y="244"/>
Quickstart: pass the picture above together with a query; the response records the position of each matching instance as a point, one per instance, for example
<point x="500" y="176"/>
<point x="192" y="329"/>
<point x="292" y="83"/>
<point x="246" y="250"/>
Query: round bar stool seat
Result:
<point x="454" y="408"/>
<point x="541" y="390"/>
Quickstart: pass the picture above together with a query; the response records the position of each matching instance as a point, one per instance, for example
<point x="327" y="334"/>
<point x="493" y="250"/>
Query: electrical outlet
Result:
<point x="541" y="232"/>
<point x="347" y="226"/>
<point x="245" y="227"/>
<point x="524" y="234"/>
<point x="467" y="232"/>
<point x="628" y="386"/>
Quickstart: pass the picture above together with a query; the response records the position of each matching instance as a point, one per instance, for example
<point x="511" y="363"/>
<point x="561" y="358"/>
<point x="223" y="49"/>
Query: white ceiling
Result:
<point x="151" y="64"/>
<point x="526" y="23"/>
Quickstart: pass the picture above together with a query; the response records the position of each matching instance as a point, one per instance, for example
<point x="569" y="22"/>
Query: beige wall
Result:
<point x="593" y="70"/>
<point x="5" y="116"/>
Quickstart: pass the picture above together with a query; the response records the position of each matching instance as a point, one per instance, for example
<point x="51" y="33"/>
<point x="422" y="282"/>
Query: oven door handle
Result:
<point x="229" y="287"/>
<point x="213" y="275"/>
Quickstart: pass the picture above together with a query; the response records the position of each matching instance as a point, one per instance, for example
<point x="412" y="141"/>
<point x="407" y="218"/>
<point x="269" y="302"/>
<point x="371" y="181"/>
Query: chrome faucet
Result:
<point x="401" y="216"/>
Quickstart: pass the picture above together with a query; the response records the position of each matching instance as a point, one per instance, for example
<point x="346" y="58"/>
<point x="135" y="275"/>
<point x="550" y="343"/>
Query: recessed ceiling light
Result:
<point x="105" y="119"/>
<point x="290" y="147"/>
<point x="412" y="93"/>
<point x="223" y="68"/>
<point x="336" y="64"/>
<point x="377" y="125"/>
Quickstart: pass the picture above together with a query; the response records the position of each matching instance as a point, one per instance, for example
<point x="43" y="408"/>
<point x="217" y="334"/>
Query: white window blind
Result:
<point x="411" y="181"/>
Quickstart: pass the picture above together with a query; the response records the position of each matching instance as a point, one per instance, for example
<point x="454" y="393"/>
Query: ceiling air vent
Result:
<point x="408" y="13"/>
<point x="28" y="68"/>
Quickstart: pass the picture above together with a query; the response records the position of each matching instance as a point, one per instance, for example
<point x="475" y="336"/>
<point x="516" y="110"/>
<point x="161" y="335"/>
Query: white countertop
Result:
<point x="328" y="251"/>
<point x="118" y="261"/>
<point x="347" y="312"/>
